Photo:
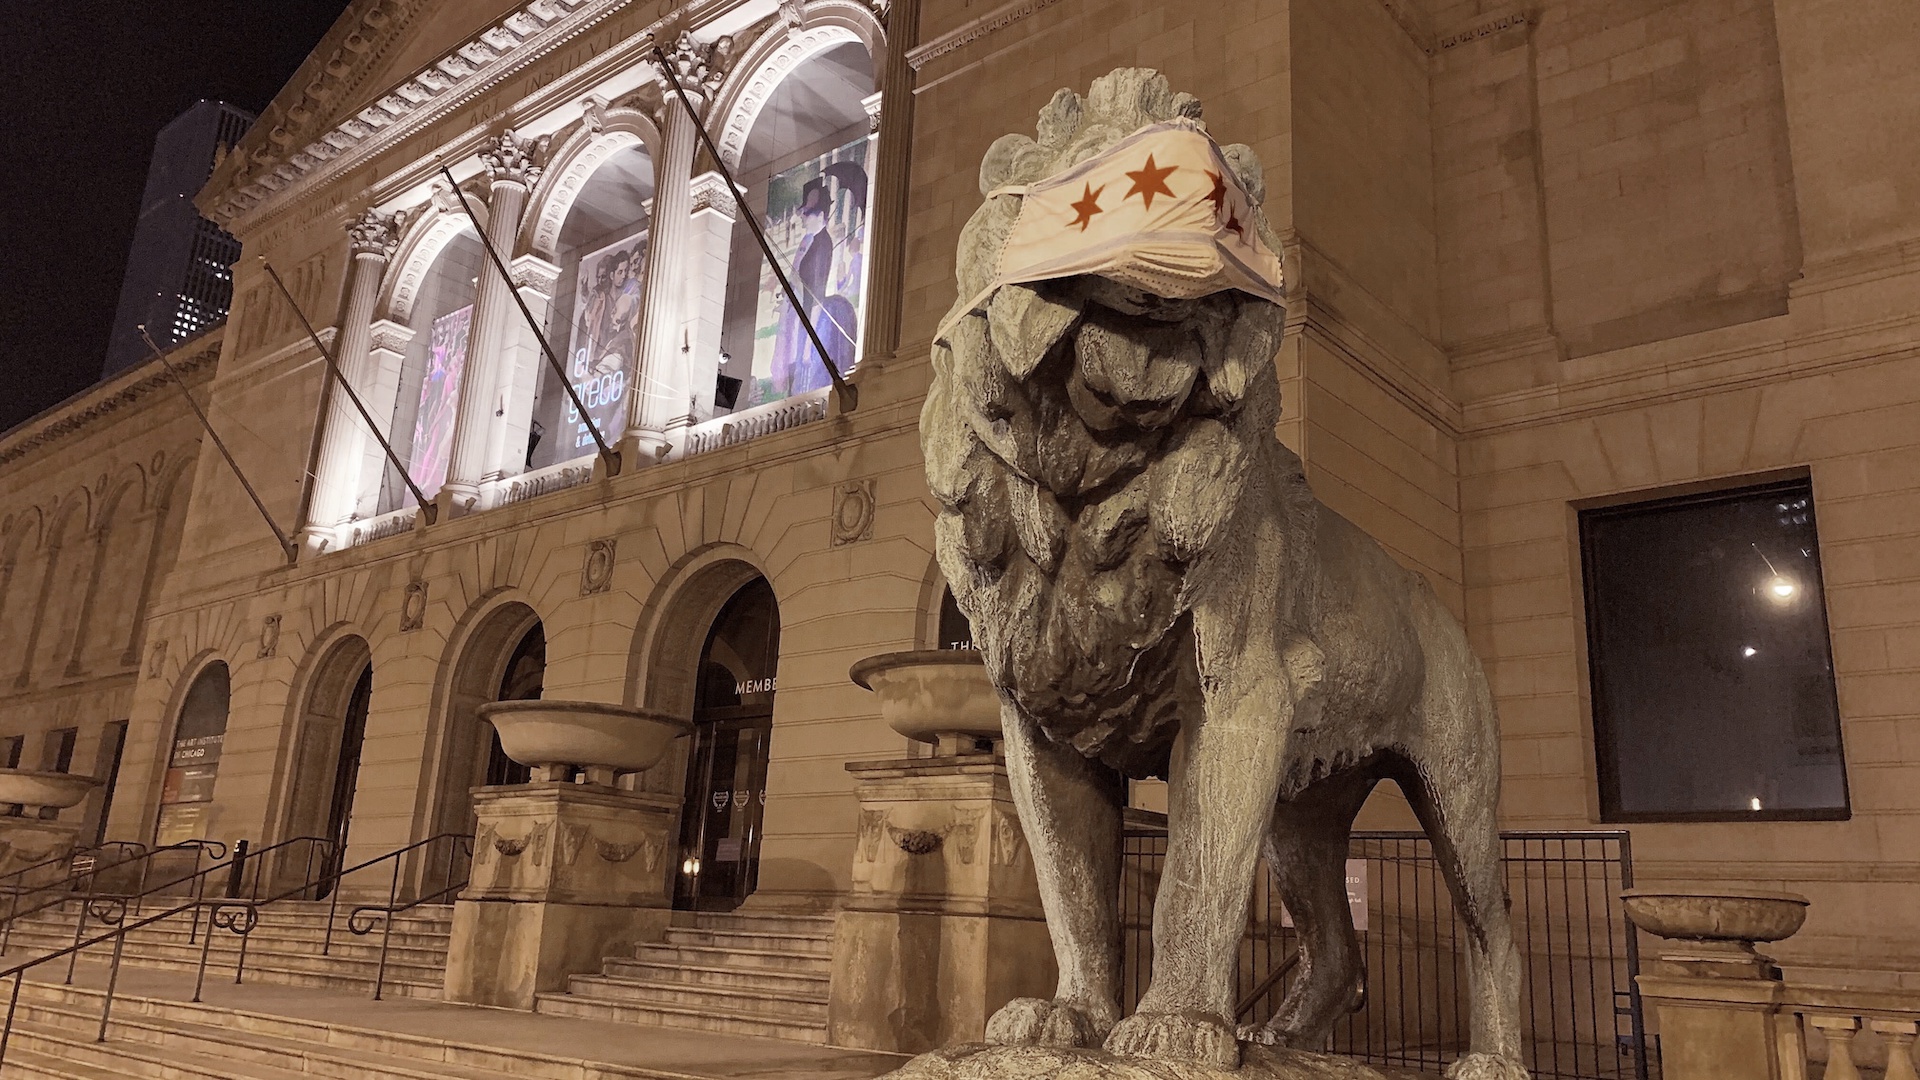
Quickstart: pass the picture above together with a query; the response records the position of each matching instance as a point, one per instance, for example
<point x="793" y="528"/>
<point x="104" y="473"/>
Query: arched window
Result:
<point x="194" y="762"/>
<point x="428" y="395"/>
<point x="594" y="323"/>
<point x="523" y="680"/>
<point x="806" y="167"/>
<point x="955" y="631"/>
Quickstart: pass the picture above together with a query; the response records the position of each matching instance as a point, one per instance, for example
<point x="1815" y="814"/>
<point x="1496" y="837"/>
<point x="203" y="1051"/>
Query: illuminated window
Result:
<point x="1712" y="677"/>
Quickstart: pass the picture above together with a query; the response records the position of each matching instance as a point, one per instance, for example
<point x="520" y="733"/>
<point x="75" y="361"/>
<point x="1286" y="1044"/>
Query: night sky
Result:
<point x="85" y="85"/>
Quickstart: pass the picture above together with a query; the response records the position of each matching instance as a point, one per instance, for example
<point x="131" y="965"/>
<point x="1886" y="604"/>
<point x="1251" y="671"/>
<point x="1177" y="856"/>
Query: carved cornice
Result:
<point x="1486" y="27"/>
<point x="960" y="37"/>
<point x="710" y="193"/>
<point x="76" y="415"/>
<point x="275" y="160"/>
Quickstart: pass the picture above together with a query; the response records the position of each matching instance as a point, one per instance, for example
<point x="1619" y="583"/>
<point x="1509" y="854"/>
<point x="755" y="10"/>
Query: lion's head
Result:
<point x="1087" y="443"/>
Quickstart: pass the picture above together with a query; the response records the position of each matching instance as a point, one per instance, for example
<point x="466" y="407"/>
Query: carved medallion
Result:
<point x="413" y="608"/>
<point x="157" y="659"/>
<point x="269" y="636"/>
<point x="852" y="511"/>
<point x="596" y="575"/>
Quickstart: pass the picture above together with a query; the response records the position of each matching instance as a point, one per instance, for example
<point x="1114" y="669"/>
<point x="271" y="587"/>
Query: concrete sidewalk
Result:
<point x="693" y="1054"/>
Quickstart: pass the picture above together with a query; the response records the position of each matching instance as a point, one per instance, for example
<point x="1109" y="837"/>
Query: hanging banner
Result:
<point x="439" y="399"/>
<point x="606" y="334"/>
<point x="816" y="221"/>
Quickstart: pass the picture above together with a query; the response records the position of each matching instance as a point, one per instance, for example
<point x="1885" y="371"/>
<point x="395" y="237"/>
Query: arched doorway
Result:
<point x="522" y="681"/>
<point x="726" y="789"/>
<point x="326" y="758"/>
<point x="186" y="793"/>
<point x="504" y="659"/>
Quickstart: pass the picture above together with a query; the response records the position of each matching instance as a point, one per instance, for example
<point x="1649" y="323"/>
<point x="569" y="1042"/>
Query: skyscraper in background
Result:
<point x="179" y="279"/>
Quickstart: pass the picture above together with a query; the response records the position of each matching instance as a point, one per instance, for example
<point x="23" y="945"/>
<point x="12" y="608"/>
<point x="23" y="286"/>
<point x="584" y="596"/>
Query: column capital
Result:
<point x="699" y="68"/>
<point x="872" y="103"/>
<point x="374" y="233"/>
<point x="511" y="159"/>
<point x="709" y="191"/>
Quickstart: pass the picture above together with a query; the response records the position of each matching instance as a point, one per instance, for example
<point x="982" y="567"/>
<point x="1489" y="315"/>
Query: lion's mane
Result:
<point x="1086" y="444"/>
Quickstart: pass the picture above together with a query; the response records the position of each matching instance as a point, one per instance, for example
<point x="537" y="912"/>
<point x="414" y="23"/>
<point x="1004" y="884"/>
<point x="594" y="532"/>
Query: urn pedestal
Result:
<point x="1716" y="995"/>
<point x="564" y="875"/>
<point x="944" y="924"/>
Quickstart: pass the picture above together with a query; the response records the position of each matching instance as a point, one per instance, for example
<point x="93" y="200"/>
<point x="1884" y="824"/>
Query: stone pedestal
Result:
<point x="943" y="925"/>
<point x="25" y="841"/>
<point x="564" y="875"/>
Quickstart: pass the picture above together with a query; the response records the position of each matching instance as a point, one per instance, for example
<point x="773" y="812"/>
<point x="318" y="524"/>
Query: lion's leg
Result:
<point x="1455" y="791"/>
<point x="1220" y="796"/>
<point x="1307" y="851"/>
<point x="1070" y="810"/>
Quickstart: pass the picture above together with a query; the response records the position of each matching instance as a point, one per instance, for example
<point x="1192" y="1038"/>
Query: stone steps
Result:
<point x="284" y="948"/>
<point x="735" y="974"/>
<point x="160" y="1039"/>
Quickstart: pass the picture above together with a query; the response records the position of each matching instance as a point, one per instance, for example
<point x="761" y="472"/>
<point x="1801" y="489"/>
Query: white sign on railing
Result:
<point x="1356" y="896"/>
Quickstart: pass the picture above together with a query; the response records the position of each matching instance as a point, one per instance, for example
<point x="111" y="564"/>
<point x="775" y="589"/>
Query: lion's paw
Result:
<point x="1486" y="1067"/>
<point x="1039" y="1022"/>
<point x="1195" y="1037"/>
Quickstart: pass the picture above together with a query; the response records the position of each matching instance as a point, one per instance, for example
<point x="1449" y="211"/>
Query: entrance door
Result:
<point x="346" y="772"/>
<point x="726" y="794"/>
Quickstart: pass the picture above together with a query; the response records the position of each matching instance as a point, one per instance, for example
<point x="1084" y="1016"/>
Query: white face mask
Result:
<point x="1161" y="211"/>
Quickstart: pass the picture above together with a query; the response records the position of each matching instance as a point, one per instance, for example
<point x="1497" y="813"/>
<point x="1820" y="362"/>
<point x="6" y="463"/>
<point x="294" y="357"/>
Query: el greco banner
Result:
<point x="606" y="331"/>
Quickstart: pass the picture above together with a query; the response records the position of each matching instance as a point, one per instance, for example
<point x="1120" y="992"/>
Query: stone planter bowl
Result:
<point x="598" y="737"/>
<point x="33" y="790"/>
<point x="1719" y="915"/>
<point x="939" y="696"/>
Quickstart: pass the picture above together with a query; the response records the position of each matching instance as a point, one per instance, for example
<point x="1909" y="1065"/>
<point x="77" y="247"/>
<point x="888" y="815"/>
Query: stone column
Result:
<point x="343" y="437"/>
<point x="386" y="356"/>
<point x="83" y="622"/>
<point x="21" y="681"/>
<point x="944" y="923"/>
<point x="661" y="396"/>
<point x="714" y="208"/>
<point x="480" y="425"/>
<point x="526" y="365"/>
<point x="893" y="159"/>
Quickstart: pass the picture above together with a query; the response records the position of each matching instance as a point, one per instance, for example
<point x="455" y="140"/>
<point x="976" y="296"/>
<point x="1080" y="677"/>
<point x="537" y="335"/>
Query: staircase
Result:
<point x="735" y="974"/>
<point x="54" y="1039"/>
<point x="283" y="949"/>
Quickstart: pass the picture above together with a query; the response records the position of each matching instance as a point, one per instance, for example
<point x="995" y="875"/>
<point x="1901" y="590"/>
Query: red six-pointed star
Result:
<point x="1088" y="206"/>
<point x="1218" y="196"/>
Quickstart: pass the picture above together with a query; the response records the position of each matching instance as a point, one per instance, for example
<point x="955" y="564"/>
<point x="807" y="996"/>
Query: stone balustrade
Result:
<point x="1846" y="1032"/>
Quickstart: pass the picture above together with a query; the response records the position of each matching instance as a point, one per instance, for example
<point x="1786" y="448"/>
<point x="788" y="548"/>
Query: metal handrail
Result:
<point x="63" y="892"/>
<point x="69" y="858"/>
<point x="362" y="919"/>
<point x="236" y="871"/>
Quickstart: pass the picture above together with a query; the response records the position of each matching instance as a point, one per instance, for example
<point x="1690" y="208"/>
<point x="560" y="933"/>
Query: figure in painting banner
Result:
<point x="439" y="393"/>
<point x="606" y="325"/>
<point x="816" y="216"/>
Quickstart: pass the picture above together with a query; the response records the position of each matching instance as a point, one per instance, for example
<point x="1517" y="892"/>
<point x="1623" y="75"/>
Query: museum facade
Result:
<point x="1602" y="317"/>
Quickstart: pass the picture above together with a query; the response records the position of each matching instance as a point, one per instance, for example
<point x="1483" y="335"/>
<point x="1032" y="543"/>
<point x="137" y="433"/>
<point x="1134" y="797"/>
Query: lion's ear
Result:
<point x="1001" y="165"/>
<point x="1246" y="169"/>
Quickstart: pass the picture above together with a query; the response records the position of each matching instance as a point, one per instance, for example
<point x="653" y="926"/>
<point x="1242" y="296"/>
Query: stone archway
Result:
<point x="326" y="757"/>
<point x="495" y="654"/>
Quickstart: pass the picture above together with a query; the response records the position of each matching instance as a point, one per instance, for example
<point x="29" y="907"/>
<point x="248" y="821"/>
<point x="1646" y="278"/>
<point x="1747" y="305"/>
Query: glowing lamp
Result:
<point x="1781" y="589"/>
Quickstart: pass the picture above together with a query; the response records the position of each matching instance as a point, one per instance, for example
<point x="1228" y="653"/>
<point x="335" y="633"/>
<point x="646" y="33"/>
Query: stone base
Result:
<point x="564" y="875"/>
<point x="25" y="841"/>
<point x="908" y="982"/>
<point x="981" y="1062"/>
<point x="503" y="952"/>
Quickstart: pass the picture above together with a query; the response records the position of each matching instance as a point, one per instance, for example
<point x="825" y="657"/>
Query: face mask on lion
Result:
<point x="1157" y="592"/>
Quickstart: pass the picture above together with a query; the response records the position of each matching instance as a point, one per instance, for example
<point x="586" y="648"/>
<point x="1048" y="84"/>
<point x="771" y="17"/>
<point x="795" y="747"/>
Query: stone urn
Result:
<point x="938" y="696"/>
<point x="1714" y="931"/>
<point x="33" y="790"/>
<point x="599" y="738"/>
<point x="28" y="840"/>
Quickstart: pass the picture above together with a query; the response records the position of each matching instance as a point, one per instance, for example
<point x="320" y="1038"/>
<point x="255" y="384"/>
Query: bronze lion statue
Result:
<point x="1157" y="592"/>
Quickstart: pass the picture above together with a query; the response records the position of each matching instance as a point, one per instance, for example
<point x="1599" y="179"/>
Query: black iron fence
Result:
<point x="1579" y="1005"/>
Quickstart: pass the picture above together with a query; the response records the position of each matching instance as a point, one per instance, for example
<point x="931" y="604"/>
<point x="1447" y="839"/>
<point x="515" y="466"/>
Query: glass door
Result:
<point x="726" y="793"/>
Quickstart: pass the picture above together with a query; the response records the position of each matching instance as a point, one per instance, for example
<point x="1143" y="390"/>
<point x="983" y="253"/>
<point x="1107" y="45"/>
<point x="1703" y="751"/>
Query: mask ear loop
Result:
<point x="978" y="303"/>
